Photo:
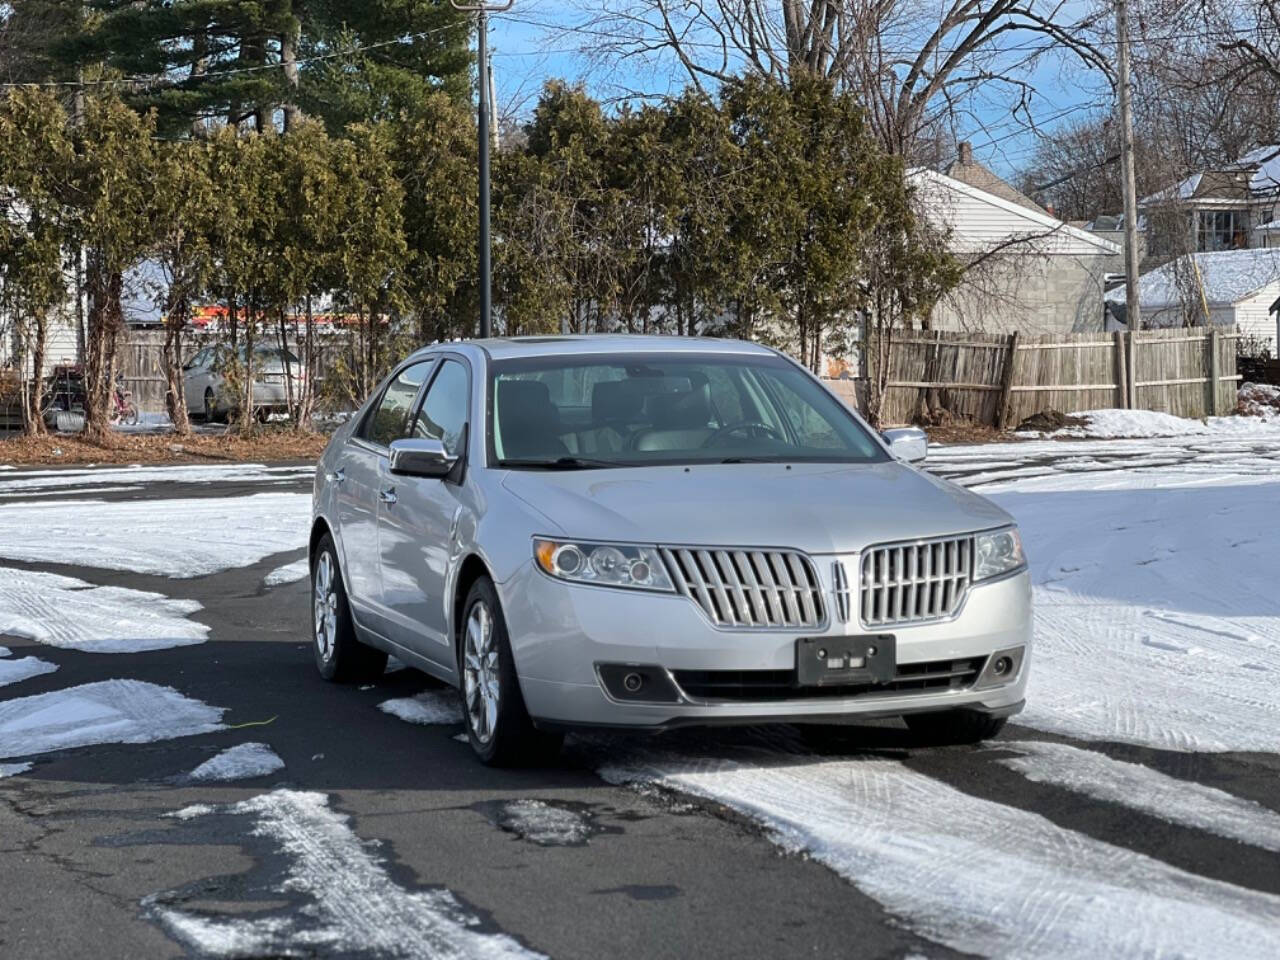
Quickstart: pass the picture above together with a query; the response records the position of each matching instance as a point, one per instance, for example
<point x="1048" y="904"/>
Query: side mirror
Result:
<point x="909" y="444"/>
<point x="420" y="457"/>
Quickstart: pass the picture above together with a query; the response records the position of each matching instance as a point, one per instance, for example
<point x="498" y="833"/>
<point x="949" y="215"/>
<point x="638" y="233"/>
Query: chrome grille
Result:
<point x="748" y="588"/>
<point x="915" y="582"/>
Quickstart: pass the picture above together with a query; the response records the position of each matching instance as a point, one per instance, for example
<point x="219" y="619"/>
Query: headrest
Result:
<point x="623" y="401"/>
<point x="527" y="401"/>
<point x="687" y="410"/>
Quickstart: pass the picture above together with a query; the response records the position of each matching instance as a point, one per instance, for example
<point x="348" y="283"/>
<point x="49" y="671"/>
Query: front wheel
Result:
<point x="339" y="654"/>
<point x="950" y="727"/>
<point x="497" y="722"/>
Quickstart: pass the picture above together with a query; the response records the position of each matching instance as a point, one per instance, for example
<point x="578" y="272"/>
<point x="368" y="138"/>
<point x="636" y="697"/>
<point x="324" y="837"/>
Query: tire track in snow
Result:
<point x="355" y="906"/>
<point x="1148" y="791"/>
<point x="65" y="612"/>
<point x="973" y="874"/>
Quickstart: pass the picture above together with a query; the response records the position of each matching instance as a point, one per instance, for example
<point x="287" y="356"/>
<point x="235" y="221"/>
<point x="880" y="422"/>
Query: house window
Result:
<point x="1222" y="230"/>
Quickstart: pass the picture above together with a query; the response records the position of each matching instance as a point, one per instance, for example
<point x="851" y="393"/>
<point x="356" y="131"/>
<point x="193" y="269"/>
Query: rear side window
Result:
<point x="444" y="411"/>
<point x="388" y="421"/>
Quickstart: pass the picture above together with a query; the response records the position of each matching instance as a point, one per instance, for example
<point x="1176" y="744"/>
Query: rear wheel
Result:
<point x="497" y="722"/>
<point x="211" y="413"/>
<point x="339" y="655"/>
<point x="953" y="727"/>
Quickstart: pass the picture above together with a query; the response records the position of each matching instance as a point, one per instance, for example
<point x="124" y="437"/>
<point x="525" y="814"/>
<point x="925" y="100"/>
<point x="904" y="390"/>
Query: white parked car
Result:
<point x="208" y="394"/>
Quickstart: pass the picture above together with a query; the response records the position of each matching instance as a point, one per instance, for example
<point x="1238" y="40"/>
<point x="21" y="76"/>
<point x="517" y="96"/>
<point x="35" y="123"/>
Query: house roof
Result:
<point x="978" y="220"/>
<point x="1252" y="174"/>
<point x="976" y="175"/>
<point x="1266" y="176"/>
<point x="1229" y="276"/>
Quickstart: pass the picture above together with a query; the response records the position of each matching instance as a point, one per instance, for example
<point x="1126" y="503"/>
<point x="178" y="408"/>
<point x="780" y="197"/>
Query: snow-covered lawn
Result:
<point x="174" y="538"/>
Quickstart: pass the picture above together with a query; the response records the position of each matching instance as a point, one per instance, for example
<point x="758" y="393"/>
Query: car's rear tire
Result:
<point x="339" y="654"/>
<point x="493" y="709"/>
<point x="949" y="727"/>
<point x="211" y="412"/>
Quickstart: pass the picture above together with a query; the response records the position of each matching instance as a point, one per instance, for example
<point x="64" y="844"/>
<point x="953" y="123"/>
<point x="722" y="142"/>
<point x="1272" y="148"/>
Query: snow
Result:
<point x="428" y="707"/>
<point x="21" y="483"/>
<point x="972" y="874"/>
<point x="1228" y="276"/>
<point x="241" y="762"/>
<point x="108" y="711"/>
<point x="356" y="908"/>
<point x="1266" y="178"/>
<point x="12" y="671"/>
<point x="1143" y="424"/>
<point x="174" y="538"/>
<point x="4" y="652"/>
<point x="1148" y="791"/>
<point x="66" y="612"/>
<point x="543" y="823"/>
<point x="289" y="573"/>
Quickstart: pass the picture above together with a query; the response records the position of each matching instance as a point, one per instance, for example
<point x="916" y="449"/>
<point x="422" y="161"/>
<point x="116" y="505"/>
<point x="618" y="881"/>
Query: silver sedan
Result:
<point x="650" y="532"/>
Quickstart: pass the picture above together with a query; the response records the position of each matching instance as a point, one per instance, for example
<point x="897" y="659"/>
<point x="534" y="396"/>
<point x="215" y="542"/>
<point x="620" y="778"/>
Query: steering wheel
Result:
<point x="748" y="428"/>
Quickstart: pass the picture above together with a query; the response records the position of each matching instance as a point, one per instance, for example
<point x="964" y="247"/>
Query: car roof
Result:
<point x="502" y="348"/>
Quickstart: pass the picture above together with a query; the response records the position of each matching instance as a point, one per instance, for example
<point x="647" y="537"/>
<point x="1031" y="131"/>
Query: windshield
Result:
<point x="640" y="409"/>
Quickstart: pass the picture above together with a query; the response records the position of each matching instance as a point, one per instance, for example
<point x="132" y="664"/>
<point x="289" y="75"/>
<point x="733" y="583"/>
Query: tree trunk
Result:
<point x="103" y="331"/>
<point x="33" y="401"/>
<point x="175" y="398"/>
<point x="246" y="393"/>
<point x="306" y="399"/>
<point x="289" y="61"/>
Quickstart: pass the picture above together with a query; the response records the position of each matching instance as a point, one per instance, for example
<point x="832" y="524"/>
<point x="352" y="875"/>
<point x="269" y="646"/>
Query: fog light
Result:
<point x="1002" y="666"/>
<point x="633" y="682"/>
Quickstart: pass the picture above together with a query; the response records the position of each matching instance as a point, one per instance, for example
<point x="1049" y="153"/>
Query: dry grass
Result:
<point x="966" y="431"/>
<point x="266" y="445"/>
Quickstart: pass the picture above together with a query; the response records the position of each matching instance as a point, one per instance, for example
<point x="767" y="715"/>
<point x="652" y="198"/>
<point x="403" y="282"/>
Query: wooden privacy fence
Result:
<point x="1000" y="379"/>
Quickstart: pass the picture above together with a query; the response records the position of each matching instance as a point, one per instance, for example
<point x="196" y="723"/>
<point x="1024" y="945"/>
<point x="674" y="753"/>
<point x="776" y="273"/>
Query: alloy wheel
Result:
<point x="480" y="672"/>
<point x="326" y="607"/>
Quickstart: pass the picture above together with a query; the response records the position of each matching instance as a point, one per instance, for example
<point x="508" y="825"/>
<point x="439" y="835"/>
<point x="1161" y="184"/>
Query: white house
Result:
<point x="1240" y="287"/>
<point x="1029" y="271"/>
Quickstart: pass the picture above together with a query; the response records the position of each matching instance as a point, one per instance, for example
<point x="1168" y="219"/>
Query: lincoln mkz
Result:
<point x="644" y="533"/>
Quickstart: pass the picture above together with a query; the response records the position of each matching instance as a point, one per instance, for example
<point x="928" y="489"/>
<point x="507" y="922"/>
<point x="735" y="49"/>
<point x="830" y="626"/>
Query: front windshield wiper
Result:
<point x="561" y="463"/>
<point x="753" y="460"/>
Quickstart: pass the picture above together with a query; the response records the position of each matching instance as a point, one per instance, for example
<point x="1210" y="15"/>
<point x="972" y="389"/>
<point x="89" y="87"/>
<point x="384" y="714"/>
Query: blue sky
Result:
<point x="527" y="52"/>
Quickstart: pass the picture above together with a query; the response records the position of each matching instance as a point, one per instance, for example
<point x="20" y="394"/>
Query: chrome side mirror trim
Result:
<point x="420" y="457"/>
<point x="909" y="444"/>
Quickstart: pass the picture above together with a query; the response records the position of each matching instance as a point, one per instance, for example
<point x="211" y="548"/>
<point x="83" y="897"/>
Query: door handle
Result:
<point x="337" y="476"/>
<point x="388" y="496"/>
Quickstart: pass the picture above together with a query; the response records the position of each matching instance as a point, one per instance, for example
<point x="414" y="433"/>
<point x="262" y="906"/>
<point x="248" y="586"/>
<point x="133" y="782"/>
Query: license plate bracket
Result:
<point x="833" y="661"/>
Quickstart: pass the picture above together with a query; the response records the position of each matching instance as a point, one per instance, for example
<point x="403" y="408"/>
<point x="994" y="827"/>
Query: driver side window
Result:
<point x="387" y="421"/>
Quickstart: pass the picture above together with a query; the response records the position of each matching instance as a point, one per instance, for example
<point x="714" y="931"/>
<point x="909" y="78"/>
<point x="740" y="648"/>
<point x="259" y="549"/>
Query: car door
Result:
<point x="195" y="379"/>
<point x="417" y="519"/>
<point x="360" y="474"/>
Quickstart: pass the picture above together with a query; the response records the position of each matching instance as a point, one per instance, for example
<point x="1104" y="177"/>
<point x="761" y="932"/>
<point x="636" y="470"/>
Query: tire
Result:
<point x="493" y="709"/>
<point x="951" y="727"/>
<point x="340" y="656"/>
<point x="131" y="414"/>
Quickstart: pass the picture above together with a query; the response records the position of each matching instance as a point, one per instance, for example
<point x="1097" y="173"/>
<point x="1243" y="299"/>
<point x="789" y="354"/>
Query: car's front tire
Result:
<point x="950" y="727"/>
<point x="493" y="709"/>
<point x="339" y="654"/>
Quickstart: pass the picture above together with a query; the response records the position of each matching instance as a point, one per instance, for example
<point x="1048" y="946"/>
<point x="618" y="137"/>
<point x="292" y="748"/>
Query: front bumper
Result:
<point x="561" y="633"/>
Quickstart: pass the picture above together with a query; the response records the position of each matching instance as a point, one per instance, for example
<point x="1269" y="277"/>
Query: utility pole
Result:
<point x="482" y="11"/>
<point x="1133" y="313"/>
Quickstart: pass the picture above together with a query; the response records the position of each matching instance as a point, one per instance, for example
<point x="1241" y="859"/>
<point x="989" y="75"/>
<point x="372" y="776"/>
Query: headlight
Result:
<point x="607" y="564"/>
<point x="997" y="552"/>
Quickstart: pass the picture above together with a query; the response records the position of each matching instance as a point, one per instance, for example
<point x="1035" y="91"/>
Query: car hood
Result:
<point x="815" y="507"/>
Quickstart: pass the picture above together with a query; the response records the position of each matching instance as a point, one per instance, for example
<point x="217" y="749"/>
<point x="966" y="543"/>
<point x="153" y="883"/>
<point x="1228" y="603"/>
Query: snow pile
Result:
<point x="109" y="711"/>
<point x="13" y="769"/>
<point x="241" y="762"/>
<point x="428" y="707"/>
<point x="1146" y="424"/>
<point x="66" y="612"/>
<point x="12" y="671"/>
<point x="978" y="876"/>
<point x="1147" y="791"/>
<point x="1258" y="400"/>
<point x="173" y="538"/>
<point x="356" y="907"/>
<point x="289" y="573"/>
